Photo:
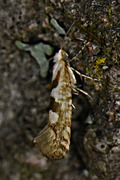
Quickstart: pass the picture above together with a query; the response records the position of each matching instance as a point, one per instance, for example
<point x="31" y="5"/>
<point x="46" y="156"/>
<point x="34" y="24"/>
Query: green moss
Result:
<point x="97" y="71"/>
<point x="99" y="65"/>
<point x="57" y="27"/>
<point x="98" y="68"/>
<point x="39" y="52"/>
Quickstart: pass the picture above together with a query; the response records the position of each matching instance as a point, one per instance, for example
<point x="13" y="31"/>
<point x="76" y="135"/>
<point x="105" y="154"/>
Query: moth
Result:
<point x="54" y="140"/>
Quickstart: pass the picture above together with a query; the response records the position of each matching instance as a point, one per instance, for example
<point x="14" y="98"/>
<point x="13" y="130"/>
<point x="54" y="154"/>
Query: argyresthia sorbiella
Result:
<point x="54" y="140"/>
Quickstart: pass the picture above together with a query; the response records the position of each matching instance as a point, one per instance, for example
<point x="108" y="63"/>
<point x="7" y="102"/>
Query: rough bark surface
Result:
<point x="24" y="94"/>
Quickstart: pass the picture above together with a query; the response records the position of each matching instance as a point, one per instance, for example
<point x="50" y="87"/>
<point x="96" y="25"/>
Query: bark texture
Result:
<point x="24" y="94"/>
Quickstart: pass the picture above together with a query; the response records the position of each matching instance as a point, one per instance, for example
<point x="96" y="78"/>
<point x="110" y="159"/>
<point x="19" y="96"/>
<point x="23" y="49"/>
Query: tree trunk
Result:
<point x="24" y="94"/>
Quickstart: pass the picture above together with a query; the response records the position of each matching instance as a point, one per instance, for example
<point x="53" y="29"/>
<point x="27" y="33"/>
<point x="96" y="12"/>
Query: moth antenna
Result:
<point x="75" y="57"/>
<point x="61" y="47"/>
<point x="51" y="58"/>
<point x="66" y="34"/>
<point x="70" y="28"/>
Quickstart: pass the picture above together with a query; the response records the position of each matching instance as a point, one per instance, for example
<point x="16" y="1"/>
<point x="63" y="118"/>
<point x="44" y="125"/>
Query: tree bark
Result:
<point x="24" y="94"/>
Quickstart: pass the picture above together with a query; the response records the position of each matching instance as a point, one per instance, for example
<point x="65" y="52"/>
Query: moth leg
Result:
<point x="82" y="75"/>
<point x="73" y="106"/>
<point x="73" y="82"/>
<point x="80" y="90"/>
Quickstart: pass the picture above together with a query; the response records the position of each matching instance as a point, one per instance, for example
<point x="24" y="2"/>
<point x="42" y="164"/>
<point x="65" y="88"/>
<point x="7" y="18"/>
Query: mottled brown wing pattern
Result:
<point x="54" y="140"/>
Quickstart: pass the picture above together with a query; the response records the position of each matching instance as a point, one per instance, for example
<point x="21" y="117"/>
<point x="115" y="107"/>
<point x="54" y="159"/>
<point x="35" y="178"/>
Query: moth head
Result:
<point x="61" y="55"/>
